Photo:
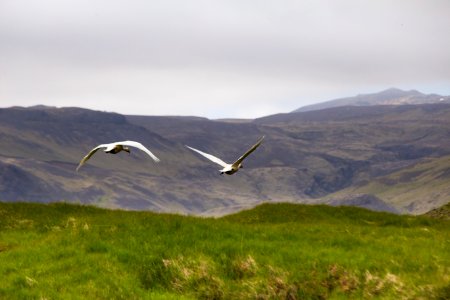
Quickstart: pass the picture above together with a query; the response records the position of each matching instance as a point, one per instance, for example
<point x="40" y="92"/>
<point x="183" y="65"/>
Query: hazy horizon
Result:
<point x="190" y="115"/>
<point x="222" y="59"/>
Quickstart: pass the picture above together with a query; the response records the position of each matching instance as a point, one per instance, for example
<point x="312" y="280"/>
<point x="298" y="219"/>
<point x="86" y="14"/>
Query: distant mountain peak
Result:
<point x="390" y="96"/>
<point x="392" y="90"/>
<point x="398" y="92"/>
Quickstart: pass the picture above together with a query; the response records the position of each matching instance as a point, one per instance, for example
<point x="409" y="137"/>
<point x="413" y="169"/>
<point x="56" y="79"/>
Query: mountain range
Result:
<point x="392" y="96"/>
<point x="383" y="157"/>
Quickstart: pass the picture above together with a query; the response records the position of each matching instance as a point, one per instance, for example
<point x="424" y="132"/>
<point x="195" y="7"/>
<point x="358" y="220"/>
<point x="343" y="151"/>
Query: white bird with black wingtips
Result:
<point x="229" y="169"/>
<point x="115" y="148"/>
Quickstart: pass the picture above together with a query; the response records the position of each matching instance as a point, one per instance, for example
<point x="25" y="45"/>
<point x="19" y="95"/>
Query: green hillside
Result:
<point x="274" y="251"/>
<point x="415" y="188"/>
<point x="442" y="212"/>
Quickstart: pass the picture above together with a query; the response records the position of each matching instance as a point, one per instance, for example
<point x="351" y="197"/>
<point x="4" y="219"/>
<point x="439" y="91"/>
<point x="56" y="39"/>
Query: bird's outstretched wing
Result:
<point x="90" y="154"/>
<point x="139" y="146"/>
<point x="253" y="148"/>
<point x="210" y="157"/>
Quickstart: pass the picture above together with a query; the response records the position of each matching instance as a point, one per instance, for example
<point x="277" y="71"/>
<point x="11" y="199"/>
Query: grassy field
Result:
<point x="276" y="251"/>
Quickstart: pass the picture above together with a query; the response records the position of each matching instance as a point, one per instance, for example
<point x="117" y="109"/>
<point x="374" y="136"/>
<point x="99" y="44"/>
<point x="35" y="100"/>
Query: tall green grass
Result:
<point x="275" y="251"/>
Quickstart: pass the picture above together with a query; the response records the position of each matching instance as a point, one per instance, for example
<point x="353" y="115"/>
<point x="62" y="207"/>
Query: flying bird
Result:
<point x="229" y="169"/>
<point x="115" y="148"/>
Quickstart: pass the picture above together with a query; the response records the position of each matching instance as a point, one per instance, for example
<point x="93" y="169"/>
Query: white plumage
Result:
<point x="116" y="147"/>
<point x="229" y="169"/>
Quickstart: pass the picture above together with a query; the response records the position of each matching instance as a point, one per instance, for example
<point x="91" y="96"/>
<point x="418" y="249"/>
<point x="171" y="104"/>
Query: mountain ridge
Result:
<point x="323" y="156"/>
<point x="391" y="96"/>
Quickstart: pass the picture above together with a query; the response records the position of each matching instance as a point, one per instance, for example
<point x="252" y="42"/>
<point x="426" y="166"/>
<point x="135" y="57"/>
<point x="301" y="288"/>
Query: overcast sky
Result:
<point x="241" y="59"/>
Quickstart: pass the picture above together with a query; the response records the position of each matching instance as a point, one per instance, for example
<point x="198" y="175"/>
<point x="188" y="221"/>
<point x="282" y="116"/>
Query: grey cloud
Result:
<point x="205" y="57"/>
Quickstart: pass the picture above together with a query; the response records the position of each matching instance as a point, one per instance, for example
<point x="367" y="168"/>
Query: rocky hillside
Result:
<point x="391" y="158"/>
<point x="442" y="212"/>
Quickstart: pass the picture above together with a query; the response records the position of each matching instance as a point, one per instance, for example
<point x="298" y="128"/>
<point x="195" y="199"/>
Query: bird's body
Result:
<point x="117" y="147"/>
<point x="229" y="169"/>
